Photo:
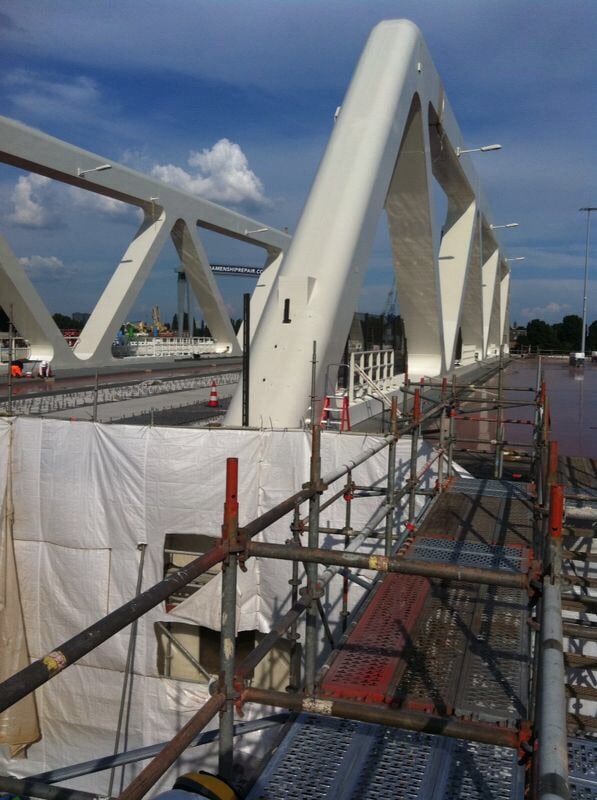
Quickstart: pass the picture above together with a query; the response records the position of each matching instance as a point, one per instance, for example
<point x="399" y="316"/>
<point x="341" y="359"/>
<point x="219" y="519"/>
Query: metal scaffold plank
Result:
<point x="332" y="759"/>
<point x="469" y="554"/>
<point x="486" y="487"/>
<point x="475" y="517"/>
<point x="582" y="761"/>
<point x="435" y="659"/>
<point x="494" y="682"/>
<point x="366" y="665"/>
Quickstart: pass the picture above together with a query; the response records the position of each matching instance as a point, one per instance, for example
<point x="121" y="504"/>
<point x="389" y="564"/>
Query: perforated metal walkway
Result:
<point x="447" y="648"/>
<point x="332" y="759"/>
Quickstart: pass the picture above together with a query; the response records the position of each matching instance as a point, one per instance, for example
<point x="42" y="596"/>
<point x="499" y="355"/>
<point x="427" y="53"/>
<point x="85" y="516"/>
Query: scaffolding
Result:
<point x="538" y="738"/>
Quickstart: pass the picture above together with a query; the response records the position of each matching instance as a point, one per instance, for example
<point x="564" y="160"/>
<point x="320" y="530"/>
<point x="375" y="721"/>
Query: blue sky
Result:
<point x="250" y="88"/>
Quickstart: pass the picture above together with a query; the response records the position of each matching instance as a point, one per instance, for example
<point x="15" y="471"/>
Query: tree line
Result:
<point x="564" y="336"/>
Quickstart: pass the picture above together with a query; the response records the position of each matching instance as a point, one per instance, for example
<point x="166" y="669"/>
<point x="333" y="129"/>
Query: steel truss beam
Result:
<point x="167" y="212"/>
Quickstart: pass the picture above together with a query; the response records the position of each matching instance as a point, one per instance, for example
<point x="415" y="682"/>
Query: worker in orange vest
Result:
<point x="16" y="370"/>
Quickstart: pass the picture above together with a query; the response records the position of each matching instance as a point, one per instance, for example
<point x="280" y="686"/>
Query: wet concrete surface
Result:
<point x="572" y="396"/>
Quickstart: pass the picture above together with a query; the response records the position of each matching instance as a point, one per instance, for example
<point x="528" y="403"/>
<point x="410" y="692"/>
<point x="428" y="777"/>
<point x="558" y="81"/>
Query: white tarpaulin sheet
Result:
<point x="18" y="725"/>
<point x="85" y="496"/>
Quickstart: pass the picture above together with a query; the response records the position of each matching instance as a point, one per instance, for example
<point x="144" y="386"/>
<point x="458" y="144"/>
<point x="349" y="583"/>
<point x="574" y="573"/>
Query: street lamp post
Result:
<point x="485" y="149"/>
<point x="588" y="209"/>
<point x="101" y="168"/>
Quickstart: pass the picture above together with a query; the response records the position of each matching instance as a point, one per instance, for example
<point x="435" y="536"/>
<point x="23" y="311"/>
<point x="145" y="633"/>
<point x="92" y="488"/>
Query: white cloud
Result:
<point x="41" y="96"/>
<point x="98" y="202"/>
<point x="221" y="174"/>
<point x="39" y="202"/>
<point x="27" y="200"/>
<point x="549" y="311"/>
<point x="44" y="267"/>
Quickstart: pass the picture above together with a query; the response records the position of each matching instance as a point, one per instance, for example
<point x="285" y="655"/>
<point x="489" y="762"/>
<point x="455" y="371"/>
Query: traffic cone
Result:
<point x="213" y="396"/>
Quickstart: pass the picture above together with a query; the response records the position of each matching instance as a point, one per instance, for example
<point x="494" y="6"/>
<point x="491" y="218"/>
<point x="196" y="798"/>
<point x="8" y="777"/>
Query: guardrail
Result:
<point x="18" y="352"/>
<point x="368" y="367"/>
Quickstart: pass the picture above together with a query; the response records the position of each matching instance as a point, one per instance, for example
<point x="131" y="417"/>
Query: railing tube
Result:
<point x="228" y="621"/>
<point x="393" y="717"/>
<point x="312" y="567"/>
<point x="391" y="490"/>
<point x="552" y="733"/>
<point x="413" y="455"/>
<point x="429" y="569"/>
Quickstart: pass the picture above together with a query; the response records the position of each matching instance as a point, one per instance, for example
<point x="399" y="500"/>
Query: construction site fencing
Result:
<point x="51" y="403"/>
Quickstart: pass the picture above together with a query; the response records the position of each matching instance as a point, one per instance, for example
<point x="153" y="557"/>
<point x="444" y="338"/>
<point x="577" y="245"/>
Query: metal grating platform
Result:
<point x="435" y="661"/>
<point x="469" y="554"/>
<point x="582" y="760"/>
<point x="444" y="647"/>
<point x="476" y="518"/>
<point x="366" y="664"/>
<point x="494" y="681"/>
<point x="308" y="761"/>
<point x="490" y="488"/>
<point x="370" y="762"/>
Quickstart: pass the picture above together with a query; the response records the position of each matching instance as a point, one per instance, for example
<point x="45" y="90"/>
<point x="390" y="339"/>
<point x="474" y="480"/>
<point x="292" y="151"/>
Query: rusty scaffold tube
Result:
<point x="384" y="715"/>
<point x="343" y="558"/>
<point x="414" y="450"/>
<point x="26" y="680"/>
<point x="228" y="619"/>
<point x="140" y="785"/>
<point x="311" y="567"/>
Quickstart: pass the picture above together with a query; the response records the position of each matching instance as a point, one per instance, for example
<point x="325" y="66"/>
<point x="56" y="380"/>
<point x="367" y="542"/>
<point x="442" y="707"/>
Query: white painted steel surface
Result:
<point x="168" y="212"/>
<point x="395" y="132"/>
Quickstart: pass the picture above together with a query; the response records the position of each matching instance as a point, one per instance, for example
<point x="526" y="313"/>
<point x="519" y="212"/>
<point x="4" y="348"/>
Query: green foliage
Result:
<point x="569" y="331"/>
<point x="67" y="323"/>
<point x="564" y="336"/>
<point x="541" y="335"/>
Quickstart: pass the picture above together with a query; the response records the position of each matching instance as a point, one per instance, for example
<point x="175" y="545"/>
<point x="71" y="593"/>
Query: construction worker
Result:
<point x="199" y="785"/>
<point x="16" y="369"/>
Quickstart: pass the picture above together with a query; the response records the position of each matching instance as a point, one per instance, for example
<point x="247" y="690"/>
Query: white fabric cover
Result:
<point x="85" y="496"/>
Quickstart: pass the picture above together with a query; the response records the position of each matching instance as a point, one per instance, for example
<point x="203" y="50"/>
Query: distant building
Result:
<point x="517" y="333"/>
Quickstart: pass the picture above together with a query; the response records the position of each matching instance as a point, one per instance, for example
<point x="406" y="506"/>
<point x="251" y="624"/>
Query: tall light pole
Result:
<point x="588" y="209"/>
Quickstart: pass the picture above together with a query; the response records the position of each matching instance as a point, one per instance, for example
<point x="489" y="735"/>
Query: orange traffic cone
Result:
<point x="213" y="396"/>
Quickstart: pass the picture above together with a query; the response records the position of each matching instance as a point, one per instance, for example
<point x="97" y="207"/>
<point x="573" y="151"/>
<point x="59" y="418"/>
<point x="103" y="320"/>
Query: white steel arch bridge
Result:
<point x="395" y="134"/>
